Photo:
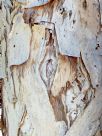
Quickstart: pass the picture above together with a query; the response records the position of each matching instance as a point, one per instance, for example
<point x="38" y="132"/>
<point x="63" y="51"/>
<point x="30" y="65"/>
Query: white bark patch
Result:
<point x="19" y="41"/>
<point x="66" y="20"/>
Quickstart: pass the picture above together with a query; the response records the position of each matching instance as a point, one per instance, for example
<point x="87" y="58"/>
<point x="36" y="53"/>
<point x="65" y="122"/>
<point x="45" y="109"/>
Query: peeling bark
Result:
<point x="51" y="65"/>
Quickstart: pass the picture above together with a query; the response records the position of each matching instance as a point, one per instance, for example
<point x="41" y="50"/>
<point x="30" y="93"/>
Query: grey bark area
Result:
<point x="51" y="67"/>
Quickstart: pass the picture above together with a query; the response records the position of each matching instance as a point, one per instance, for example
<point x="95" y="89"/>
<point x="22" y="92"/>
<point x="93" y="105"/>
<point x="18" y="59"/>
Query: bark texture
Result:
<point x="51" y="67"/>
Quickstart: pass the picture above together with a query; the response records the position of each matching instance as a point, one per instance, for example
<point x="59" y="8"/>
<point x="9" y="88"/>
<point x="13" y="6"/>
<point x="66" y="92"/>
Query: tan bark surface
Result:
<point x="51" y="67"/>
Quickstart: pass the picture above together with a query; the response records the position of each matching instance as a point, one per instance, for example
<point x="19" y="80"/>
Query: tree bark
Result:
<point x="51" y="67"/>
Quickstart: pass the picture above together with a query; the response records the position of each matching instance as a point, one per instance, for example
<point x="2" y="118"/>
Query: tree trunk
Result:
<point x="51" y="67"/>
